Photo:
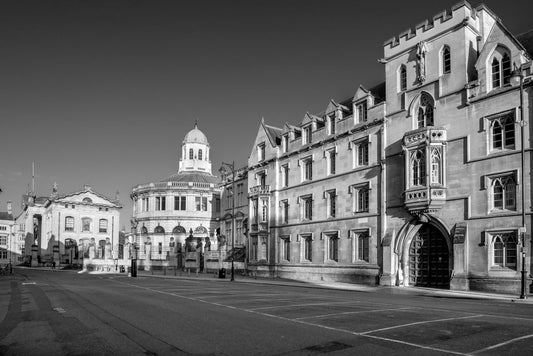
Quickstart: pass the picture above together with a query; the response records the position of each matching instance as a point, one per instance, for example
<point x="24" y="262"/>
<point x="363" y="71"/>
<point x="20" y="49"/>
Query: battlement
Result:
<point x="461" y="13"/>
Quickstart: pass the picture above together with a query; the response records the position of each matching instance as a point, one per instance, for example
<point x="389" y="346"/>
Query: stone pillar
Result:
<point x="459" y="280"/>
<point x="34" y="255"/>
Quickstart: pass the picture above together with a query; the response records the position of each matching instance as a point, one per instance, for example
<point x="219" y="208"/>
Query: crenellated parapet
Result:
<point x="461" y="14"/>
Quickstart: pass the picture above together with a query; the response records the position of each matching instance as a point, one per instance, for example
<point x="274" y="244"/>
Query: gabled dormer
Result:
<point x="310" y="123"/>
<point x="267" y="140"/>
<point x="499" y="56"/>
<point x="363" y="99"/>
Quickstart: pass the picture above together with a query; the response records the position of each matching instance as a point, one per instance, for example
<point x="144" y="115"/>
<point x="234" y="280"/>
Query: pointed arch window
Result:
<point x="504" y="250"/>
<point x="418" y="167"/>
<point x="504" y="193"/>
<point x="500" y="66"/>
<point x="402" y="78"/>
<point x="502" y="132"/>
<point x="446" y="60"/>
<point x="425" y="112"/>
<point x="436" y="164"/>
<point x="191" y="153"/>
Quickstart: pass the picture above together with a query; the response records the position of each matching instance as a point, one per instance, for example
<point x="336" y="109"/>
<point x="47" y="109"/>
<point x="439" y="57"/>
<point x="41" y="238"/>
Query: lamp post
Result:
<point x="222" y="170"/>
<point x="517" y="77"/>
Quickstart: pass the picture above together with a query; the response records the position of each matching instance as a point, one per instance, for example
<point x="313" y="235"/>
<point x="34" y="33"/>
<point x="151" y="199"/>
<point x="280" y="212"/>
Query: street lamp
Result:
<point x="517" y="77"/>
<point x="223" y="171"/>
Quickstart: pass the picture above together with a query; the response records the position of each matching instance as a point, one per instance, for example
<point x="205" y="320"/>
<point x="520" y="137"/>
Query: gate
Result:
<point x="429" y="259"/>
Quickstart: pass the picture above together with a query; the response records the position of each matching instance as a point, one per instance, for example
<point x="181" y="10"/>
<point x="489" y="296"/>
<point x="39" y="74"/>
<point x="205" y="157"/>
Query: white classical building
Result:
<point x="68" y="228"/>
<point x="169" y="211"/>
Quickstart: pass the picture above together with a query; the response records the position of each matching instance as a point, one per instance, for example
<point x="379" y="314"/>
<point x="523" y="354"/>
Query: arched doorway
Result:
<point x="429" y="259"/>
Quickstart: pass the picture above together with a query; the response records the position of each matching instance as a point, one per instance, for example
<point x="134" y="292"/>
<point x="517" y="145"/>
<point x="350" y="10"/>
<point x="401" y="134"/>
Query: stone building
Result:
<point x="315" y="193"/>
<point x="69" y="228"/>
<point x="167" y="212"/>
<point x="453" y="156"/>
<point x="424" y="181"/>
<point x="8" y="246"/>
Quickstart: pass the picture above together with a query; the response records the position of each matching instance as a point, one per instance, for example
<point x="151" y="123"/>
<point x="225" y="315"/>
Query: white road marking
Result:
<point x="301" y="305"/>
<point x="28" y="283"/>
<point x="502" y="344"/>
<point x="60" y="310"/>
<point x="351" y="312"/>
<point x="420" y="322"/>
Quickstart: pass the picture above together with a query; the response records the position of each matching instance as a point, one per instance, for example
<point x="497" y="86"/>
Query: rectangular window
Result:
<point x="285" y="175"/>
<point x="264" y="210"/>
<point x="307" y="135"/>
<point x="198" y="201"/>
<point x="331" y="124"/>
<point x="361" y="197"/>
<point x="285" y="143"/>
<point x="102" y="226"/>
<point x="361" y="238"/>
<point x="204" y="203"/>
<point x="331" y="207"/>
<point x="179" y="203"/>
<point x="361" y="112"/>
<point x="285" y="245"/>
<point x="3" y="240"/>
<point x="229" y="230"/>
<point x="217" y="205"/>
<point x="333" y="247"/>
<point x="284" y="211"/>
<point x="361" y="153"/>
<point x="331" y="161"/>
<point x="261" y="178"/>
<point x="240" y="194"/>
<point x="307" y="242"/>
<point x="160" y="203"/>
<point x="307" y="169"/>
<point x="504" y="250"/>
<point x="261" y="152"/>
<point x="69" y="223"/>
<point x="306" y="206"/>
<point x="3" y="253"/>
<point x="253" y="249"/>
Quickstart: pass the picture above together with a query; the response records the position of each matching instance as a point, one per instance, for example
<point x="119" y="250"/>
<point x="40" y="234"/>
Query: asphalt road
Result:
<point x="65" y="313"/>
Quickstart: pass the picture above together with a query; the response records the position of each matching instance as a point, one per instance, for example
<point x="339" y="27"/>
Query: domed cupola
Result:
<point x="195" y="152"/>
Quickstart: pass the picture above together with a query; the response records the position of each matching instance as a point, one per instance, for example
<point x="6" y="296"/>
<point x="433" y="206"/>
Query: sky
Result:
<point x="103" y="92"/>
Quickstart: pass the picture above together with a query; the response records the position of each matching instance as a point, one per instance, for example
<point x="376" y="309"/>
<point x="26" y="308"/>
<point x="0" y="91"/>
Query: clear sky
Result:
<point x="103" y="92"/>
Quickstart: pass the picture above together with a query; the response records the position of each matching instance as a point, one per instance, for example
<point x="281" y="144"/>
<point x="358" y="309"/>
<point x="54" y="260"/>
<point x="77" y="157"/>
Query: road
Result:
<point x="65" y="313"/>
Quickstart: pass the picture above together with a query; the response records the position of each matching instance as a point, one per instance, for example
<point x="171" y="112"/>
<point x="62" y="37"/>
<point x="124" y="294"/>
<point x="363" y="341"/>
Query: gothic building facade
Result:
<point x="421" y="181"/>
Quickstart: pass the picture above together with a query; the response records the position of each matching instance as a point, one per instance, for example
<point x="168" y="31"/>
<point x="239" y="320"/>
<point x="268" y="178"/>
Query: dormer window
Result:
<point x="331" y="124"/>
<point x="261" y="152"/>
<point x="307" y="135"/>
<point x="500" y="68"/>
<point x="361" y="112"/>
<point x="285" y="143"/>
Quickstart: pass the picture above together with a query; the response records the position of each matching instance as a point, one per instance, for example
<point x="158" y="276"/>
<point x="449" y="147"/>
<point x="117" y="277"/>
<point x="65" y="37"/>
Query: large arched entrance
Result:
<point x="429" y="259"/>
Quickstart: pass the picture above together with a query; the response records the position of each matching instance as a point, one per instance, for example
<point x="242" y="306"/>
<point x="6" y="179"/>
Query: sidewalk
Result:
<point x="344" y="286"/>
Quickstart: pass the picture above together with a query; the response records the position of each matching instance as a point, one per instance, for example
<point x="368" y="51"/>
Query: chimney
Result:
<point x="9" y="207"/>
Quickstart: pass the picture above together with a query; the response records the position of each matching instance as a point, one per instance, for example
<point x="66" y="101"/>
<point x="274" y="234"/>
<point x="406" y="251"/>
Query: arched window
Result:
<point x="436" y="166"/>
<point x="425" y="112"/>
<point x="402" y="78"/>
<point x="191" y="154"/>
<point x="446" y="61"/>
<point x="500" y="68"/>
<point x="200" y="155"/>
<point x="504" y="193"/>
<point x="159" y="230"/>
<point x="87" y="200"/>
<point x="418" y="168"/>
<point x="504" y="252"/>
<point x="144" y="230"/>
<point x="503" y="132"/>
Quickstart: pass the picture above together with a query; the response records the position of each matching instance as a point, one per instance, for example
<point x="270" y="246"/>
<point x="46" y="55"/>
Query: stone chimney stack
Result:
<point x="9" y="207"/>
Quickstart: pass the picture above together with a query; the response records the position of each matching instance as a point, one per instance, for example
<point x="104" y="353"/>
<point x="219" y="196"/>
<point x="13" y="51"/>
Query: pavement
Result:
<point x="512" y="298"/>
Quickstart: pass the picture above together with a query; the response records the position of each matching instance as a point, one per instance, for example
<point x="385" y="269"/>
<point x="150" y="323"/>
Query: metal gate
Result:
<point x="429" y="259"/>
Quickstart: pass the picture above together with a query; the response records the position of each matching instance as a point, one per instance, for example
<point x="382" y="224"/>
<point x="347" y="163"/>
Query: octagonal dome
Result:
<point x="196" y="136"/>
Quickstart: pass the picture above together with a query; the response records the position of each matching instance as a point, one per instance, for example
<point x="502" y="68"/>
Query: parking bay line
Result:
<point x="351" y="312"/>
<point x="303" y="322"/>
<point x="502" y="344"/>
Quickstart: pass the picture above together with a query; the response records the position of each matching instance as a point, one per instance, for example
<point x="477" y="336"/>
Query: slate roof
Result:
<point x="274" y="134"/>
<point x="526" y="39"/>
